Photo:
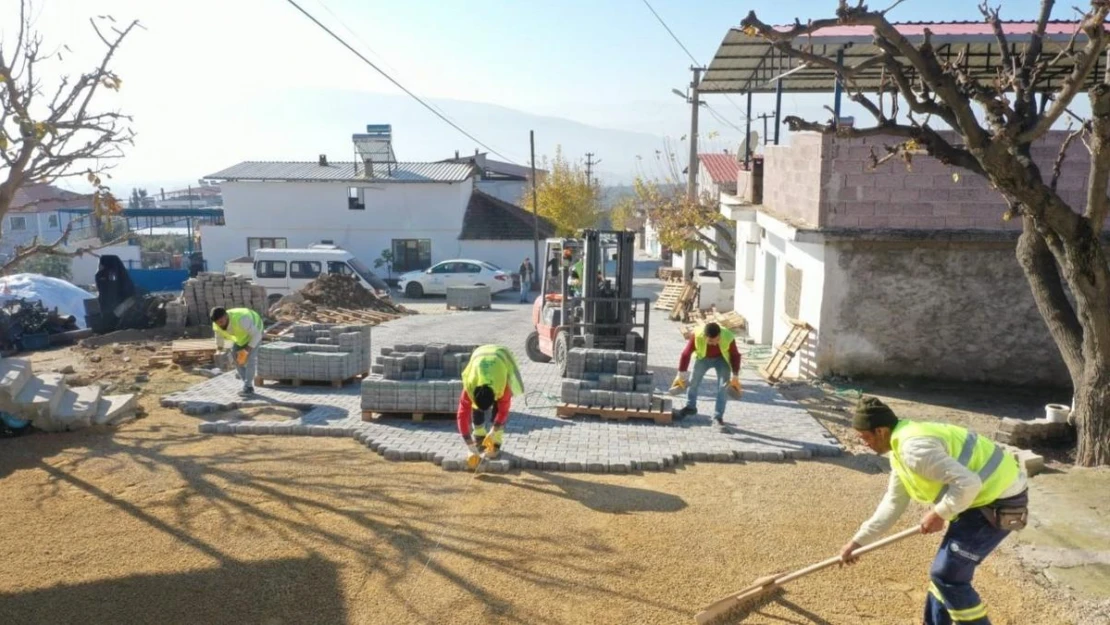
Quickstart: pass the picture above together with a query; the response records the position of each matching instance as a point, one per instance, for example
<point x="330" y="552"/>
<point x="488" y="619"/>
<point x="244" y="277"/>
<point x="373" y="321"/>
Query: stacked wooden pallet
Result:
<point x="794" y="341"/>
<point x="686" y="302"/>
<point x="193" y="351"/>
<point x="669" y="296"/>
<point x="669" y="273"/>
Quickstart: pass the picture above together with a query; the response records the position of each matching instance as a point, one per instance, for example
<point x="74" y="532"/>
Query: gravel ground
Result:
<point x="155" y="523"/>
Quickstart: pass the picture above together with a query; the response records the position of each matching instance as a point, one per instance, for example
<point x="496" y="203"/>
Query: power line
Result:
<point x="397" y="84"/>
<point x="692" y="58"/>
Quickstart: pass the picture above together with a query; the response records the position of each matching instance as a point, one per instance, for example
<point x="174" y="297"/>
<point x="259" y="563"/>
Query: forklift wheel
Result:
<point x="562" y="346"/>
<point x="532" y="348"/>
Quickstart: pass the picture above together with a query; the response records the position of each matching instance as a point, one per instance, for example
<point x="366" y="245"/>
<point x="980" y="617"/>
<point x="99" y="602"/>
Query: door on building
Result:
<point x="411" y="255"/>
<point x="770" y="294"/>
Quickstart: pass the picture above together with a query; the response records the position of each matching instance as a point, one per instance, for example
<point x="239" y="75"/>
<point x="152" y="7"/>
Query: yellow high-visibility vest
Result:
<point x="701" y="342"/>
<point x="235" y="332"/>
<point x="493" y="366"/>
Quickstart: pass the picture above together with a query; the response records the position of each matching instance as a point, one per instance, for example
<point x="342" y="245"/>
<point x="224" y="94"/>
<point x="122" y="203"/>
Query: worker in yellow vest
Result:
<point x="243" y="327"/>
<point x="490" y="379"/>
<point x="710" y="343"/>
<point x="971" y="484"/>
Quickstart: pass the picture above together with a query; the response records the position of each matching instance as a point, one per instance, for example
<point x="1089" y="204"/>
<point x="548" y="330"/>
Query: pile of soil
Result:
<point x="332" y="291"/>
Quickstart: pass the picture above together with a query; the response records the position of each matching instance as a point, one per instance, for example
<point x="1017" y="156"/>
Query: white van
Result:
<point x="284" y="271"/>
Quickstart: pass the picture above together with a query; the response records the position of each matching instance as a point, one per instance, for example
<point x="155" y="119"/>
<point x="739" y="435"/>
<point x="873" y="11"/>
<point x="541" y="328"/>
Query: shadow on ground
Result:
<point x="611" y="498"/>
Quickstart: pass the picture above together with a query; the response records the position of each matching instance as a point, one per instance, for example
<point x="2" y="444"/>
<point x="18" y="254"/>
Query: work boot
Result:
<point x="719" y="420"/>
<point x="683" y="412"/>
<point x="248" y="391"/>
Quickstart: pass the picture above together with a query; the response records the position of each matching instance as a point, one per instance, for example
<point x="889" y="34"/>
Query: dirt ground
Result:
<point x="155" y="523"/>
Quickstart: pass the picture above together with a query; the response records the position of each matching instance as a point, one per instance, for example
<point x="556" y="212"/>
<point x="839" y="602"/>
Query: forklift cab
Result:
<point x="582" y="304"/>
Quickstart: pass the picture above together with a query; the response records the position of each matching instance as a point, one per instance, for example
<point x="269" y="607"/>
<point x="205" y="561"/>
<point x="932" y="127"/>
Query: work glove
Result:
<point x="241" y="357"/>
<point x="734" y="388"/>
<point x="473" y="447"/>
<point x="679" y="383"/>
<point x="475" y="457"/>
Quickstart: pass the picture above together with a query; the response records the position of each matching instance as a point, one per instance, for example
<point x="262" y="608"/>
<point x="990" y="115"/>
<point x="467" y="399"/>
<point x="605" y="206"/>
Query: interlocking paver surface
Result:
<point x="763" y="426"/>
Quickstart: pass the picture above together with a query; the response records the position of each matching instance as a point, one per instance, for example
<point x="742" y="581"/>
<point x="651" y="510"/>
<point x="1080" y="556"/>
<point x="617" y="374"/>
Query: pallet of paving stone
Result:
<point x="374" y="415"/>
<point x="615" y="414"/>
<point x="669" y="296"/>
<point x="193" y="351"/>
<point x="261" y="381"/>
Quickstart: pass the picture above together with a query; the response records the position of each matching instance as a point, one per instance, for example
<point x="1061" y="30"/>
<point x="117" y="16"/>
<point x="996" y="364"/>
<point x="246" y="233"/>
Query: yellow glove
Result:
<point x="679" y="383"/>
<point x="241" y="357"/>
<point x="734" y="388"/>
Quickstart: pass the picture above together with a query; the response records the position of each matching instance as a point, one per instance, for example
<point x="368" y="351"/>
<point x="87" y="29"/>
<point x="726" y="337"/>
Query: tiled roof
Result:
<point x="44" y="198"/>
<point x="343" y="172"/>
<point x="488" y="218"/>
<point x="722" y="168"/>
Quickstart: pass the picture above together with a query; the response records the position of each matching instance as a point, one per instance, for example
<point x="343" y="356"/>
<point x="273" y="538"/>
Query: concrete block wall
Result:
<point x="793" y="177"/>
<point x="927" y="195"/>
<point x="609" y="378"/>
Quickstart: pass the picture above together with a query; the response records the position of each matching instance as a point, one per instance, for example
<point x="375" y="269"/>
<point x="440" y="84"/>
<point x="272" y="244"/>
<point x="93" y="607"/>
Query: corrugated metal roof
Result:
<point x="745" y="63"/>
<point x="722" y="168"/>
<point x="344" y="172"/>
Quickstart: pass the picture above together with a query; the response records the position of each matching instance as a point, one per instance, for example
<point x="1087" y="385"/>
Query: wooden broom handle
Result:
<point x="813" y="568"/>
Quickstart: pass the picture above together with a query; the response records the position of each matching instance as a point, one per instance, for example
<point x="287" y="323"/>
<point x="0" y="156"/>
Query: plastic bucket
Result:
<point x="1057" y="413"/>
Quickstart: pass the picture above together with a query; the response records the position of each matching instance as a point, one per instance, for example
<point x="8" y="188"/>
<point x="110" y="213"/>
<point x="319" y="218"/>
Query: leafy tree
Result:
<point x="996" y="123"/>
<point x="53" y="132"/>
<point x="385" y="260"/>
<point x="138" y="198"/>
<point x="685" y="225"/>
<point x="565" y="196"/>
<point x="623" y="214"/>
<point x="54" y="266"/>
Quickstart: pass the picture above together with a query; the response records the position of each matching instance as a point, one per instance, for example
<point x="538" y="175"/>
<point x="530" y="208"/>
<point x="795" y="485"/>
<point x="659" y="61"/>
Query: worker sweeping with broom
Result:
<point x="243" y="327"/>
<point x="490" y="380"/>
<point x="710" y="343"/>
<point x="971" y="483"/>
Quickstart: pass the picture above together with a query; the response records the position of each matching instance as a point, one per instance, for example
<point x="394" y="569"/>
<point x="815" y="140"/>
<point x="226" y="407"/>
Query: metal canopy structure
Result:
<point x="747" y="64"/>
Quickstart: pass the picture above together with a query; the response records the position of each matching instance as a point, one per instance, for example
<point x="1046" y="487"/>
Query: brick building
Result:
<point x="901" y="271"/>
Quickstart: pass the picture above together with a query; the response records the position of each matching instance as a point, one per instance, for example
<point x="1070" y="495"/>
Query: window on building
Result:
<point x="52" y="221"/>
<point x="17" y="223"/>
<point x="304" y="269"/>
<point x="270" y="269"/>
<point x="257" y="243"/>
<point x="356" y="201"/>
<point x="411" y="254"/>
<point x="339" y="268"/>
<point x="792" y="295"/>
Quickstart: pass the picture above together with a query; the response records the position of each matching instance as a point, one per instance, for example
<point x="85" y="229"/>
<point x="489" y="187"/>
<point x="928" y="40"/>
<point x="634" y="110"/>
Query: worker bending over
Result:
<point x="970" y="482"/>
<point x="710" y="342"/>
<point x="243" y="327"/>
<point x="489" y="380"/>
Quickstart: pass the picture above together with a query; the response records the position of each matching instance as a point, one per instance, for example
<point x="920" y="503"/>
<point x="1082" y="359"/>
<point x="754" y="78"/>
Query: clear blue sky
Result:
<point x="203" y="77"/>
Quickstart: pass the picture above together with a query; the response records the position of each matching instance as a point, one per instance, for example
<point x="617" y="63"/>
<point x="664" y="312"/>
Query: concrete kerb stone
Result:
<point x="762" y="427"/>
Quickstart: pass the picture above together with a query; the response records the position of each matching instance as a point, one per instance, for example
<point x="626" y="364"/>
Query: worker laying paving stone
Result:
<point x="763" y="427"/>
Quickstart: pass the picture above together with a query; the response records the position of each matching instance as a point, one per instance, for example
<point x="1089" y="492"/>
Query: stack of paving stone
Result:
<point x="210" y="290"/>
<point x="468" y="297"/>
<point x="317" y="352"/>
<point x="609" y="378"/>
<point x="177" y="313"/>
<point x="416" y="378"/>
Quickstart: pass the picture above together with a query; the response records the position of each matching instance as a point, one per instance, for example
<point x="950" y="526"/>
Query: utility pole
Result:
<point x="535" y="215"/>
<point x="692" y="166"/>
<point x="590" y="166"/>
<point x="765" y="117"/>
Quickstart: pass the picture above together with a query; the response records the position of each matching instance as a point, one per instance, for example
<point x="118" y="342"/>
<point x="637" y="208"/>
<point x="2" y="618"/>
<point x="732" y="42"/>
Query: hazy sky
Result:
<point x="203" y="78"/>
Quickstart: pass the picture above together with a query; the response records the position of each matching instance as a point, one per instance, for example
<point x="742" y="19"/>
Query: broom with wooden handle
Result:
<point x="744" y="598"/>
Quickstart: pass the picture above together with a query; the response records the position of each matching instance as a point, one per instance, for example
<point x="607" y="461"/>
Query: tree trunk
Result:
<point x="1092" y="416"/>
<point x="1041" y="271"/>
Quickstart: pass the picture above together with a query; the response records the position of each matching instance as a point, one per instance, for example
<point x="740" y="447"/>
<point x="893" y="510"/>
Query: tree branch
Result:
<point x="1058" y="164"/>
<point x="1100" y="156"/>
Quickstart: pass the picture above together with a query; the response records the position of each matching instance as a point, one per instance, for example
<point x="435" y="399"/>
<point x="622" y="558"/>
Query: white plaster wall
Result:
<point x="505" y="254"/>
<point x="511" y="191"/>
<point x="306" y="213"/>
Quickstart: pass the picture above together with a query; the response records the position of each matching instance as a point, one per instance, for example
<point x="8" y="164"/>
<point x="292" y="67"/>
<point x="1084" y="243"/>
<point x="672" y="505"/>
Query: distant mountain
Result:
<point x="301" y="124"/>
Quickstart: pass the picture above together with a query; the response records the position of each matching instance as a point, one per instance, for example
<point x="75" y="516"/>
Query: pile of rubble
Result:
<point x="20" y="320"/>
<point x="332" y="292"/>
<point x="209" y="290"/>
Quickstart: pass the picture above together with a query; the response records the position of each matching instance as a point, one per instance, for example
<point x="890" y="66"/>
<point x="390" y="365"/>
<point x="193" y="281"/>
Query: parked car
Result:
<point x="459" y="272"/>
<point x="283" y="271"/>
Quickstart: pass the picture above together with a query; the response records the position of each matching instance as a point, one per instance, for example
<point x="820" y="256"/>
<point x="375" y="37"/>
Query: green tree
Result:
<point x="623" y="214"/>
<point x="565" y="196"/>
<point x="48" y="265"/>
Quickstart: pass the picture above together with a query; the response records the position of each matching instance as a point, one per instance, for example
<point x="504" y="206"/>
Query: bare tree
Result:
<point x="1060" y="247"/>
<point x="52" y="129"/>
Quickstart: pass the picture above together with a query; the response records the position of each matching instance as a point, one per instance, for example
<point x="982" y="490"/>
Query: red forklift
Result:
<point x="581" y="305"/>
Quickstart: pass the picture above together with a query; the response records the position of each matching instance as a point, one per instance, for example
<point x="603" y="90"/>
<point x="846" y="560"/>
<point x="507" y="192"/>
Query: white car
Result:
<point x="459" y="272"/>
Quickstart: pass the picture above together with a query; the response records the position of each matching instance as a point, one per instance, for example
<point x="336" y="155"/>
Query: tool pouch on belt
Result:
<point x="1011" y="514"/>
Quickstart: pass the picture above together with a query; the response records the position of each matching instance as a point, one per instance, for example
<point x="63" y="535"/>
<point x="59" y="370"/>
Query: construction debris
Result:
<point x="27" y="324"/>
<point x="210" y="290"/>
<point x="47" y="401"/>
<point x="339" y="291"/>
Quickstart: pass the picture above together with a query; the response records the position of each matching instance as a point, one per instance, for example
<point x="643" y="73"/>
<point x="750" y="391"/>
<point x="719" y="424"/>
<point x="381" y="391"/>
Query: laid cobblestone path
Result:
<point x="763" y="426"/>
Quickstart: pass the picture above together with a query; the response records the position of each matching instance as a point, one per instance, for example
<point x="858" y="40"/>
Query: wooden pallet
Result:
<point x="731" y="320"/>
<point x="686" y="302"/>
<point x="339" y="383"/>
<point x="372" y="415"/>
<point x="669" y="296"/>
<point x="669" y="274"/>
<point x="616" y="414"/>
<point x="785" y="352"/>
<point x="193" y="351"/>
